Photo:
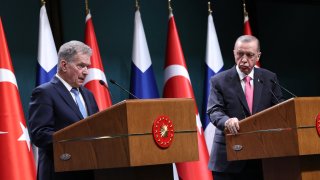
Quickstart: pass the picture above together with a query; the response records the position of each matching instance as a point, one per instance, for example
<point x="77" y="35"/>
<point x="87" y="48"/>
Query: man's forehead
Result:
<point x="246" y="47"/>
<point x="79" y="57"/>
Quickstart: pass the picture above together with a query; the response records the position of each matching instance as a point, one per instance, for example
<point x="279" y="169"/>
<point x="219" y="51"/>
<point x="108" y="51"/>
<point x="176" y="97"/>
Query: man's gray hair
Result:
<point x="247" y="39"/>
<point x="68" y="50"/>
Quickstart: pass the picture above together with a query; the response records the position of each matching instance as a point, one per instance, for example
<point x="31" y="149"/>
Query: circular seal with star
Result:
<point x="318" y="124"/>
<point x="163" y="131"/>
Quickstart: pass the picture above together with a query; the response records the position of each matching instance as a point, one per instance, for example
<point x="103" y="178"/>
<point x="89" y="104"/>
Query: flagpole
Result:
<point x="87" y="7"/>
<point x="247" y="28"/>
<point x="137" y="5"/>
<point x="245" y="12"/>
<point x="169" y="7"/>
<point x="209" y="8"/>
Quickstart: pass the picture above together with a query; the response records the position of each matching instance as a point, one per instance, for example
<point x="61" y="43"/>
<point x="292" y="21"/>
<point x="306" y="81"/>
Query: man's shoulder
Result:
<point x="224" y="74"/>
<point x="46" y="87"/>
<point x="86" y="90"/>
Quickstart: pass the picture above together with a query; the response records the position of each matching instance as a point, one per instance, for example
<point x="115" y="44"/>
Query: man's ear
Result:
<point x="63" y="65"/>
<point x="259" y="55"/>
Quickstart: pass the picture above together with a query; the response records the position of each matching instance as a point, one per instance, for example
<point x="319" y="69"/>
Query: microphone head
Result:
<point x="101" y="82"/>
<point x="112" y="81"/>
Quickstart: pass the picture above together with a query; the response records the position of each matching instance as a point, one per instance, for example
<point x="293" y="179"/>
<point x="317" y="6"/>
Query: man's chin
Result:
<point x="244" y="69"/>
<point x="79" y="84"/>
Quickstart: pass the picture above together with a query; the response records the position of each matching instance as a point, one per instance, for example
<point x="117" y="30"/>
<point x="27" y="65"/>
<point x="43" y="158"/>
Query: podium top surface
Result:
<point x="299" y="112"/>
<point x="286" y="129"/>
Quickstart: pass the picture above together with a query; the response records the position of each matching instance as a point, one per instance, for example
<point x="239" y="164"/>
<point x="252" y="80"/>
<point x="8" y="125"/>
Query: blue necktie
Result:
<point x="79" y="103"/>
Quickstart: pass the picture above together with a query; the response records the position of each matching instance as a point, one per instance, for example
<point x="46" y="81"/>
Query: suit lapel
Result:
<point x="86" y="99"/>
<point x="258" y="86"/>
<point x="66" y="96"/>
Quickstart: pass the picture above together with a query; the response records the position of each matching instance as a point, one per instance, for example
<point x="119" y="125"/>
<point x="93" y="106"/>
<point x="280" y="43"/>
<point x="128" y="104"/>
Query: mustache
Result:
<point x="243" y="65"/>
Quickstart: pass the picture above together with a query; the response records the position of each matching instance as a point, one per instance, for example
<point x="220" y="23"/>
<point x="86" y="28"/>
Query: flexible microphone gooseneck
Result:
<point x="274" y="96"/>
<point x="273" y="81"/>
<point x="115" y="83"/>
<point x="106" y="86"/>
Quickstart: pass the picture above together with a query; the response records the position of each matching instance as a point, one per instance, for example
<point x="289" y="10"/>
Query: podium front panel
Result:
<point x="121" y="136"/>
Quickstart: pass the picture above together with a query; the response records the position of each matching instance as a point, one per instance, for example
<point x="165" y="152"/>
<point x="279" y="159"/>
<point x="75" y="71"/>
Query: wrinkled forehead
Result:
<point x="81" y="58"/>
<point x="251" y="46"/>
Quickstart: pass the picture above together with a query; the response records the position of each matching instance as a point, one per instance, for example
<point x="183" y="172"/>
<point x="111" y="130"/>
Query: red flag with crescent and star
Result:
<point x="16" y="154"/>
<point x="247" y="29"/>
<point x="177" y="84"/>
<point x="96" y="70"/>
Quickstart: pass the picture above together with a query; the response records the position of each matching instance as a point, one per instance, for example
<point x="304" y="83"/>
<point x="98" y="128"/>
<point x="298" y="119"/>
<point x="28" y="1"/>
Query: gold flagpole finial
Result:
<point x="43" y="2"/>
<point x="87" y="7"/>
<point x="137" y="5"/>
<point x="169" y="6"/>
<point x="244" y="8"/>
<point x="209" y="7"/>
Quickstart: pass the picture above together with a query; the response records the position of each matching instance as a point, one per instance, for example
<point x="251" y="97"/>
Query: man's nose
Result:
<point x="244" y="59"/>
<point x="85" y="70"/>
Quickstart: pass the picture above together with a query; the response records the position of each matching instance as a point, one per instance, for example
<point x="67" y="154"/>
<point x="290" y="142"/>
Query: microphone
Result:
<point x="274" y="96"/>
<point x="106" y="86"/>
<point x="260" y="81"/>
<point x="115" y="83"/>
<point x="273" y="81"/>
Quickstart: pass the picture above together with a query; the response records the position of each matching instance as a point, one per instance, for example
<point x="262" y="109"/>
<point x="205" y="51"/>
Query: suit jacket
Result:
<point x="227" y="100"/>
<point x="52" y="108"/>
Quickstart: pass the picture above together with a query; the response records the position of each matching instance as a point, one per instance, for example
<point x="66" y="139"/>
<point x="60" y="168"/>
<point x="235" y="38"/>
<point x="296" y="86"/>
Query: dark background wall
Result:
<point x="288" y="30"/>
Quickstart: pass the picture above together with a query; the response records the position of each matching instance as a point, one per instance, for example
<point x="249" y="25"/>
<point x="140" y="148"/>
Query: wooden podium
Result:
<point x="121" y="138"/>
<point x="284" y="137"/>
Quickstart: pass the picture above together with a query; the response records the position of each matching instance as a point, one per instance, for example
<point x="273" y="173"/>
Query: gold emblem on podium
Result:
<point x="163" y="131"/>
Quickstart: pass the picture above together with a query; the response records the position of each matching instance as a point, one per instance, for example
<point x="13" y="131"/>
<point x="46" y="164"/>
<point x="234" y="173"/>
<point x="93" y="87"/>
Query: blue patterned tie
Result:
<point x="79" y="103"/>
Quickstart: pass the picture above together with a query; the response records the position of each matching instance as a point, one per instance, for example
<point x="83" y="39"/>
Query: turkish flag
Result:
<point x="246" y="26"/>
<point x="96" y="70"/>
<point x="247" y="30"/>
<point x="16" y="155"/>
<point x="178" y="85"/>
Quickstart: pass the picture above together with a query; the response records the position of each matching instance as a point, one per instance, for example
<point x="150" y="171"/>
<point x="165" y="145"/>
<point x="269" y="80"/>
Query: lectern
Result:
<point x="122" y="137"/>
<point x="284" y="137"/>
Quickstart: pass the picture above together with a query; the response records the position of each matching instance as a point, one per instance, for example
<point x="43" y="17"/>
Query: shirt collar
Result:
<point x="242" y="75"/>
<point x="64" y="83"/>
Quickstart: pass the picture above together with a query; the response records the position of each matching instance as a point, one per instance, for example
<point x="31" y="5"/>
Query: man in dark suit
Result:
<point x="60" y="103"/>
<point x="236" y="94"/>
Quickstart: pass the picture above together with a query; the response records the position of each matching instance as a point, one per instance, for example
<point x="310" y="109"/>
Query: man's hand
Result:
<point x="232" y="125"/>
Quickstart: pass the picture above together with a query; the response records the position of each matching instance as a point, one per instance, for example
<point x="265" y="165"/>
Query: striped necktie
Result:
<point x="79" y="102"/>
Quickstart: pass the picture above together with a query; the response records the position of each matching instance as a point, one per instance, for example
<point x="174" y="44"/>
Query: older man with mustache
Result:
<point x="235" y="94"/>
